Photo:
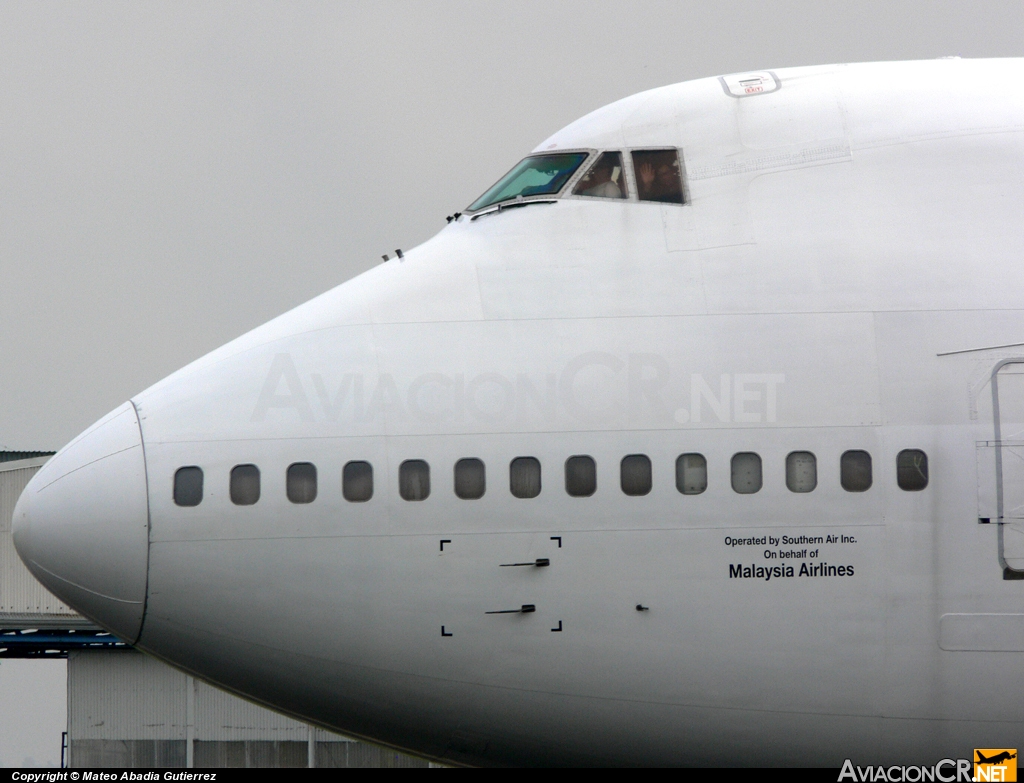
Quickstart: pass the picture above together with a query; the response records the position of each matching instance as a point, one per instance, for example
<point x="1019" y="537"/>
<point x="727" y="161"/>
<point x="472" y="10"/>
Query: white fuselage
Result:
<point x="847" y="263"/>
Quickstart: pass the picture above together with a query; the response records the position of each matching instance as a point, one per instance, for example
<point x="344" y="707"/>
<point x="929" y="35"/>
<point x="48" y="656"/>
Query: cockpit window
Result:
<point x="605" y="178"/>
<point x="658" y="175"/>
<point x="538" y="175"/>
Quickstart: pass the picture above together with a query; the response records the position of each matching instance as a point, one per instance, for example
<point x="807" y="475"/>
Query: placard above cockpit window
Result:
<point x="741" y="85"/>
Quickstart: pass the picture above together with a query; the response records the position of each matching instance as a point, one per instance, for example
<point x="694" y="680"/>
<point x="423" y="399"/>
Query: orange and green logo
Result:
<point x="995" y="764"/>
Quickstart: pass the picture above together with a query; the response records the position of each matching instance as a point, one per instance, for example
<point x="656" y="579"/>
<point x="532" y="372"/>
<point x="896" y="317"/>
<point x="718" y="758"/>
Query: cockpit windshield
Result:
<point x="538" y="175"/>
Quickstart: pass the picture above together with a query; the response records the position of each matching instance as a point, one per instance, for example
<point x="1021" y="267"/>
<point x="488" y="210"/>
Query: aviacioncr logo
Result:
<point x="596" y="388"/>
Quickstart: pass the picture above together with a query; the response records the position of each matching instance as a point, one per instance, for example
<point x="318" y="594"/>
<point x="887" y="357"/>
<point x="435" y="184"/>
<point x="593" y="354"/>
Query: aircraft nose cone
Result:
<point x="82" y="524"/>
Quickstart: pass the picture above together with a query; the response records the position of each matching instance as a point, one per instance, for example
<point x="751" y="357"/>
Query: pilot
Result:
<point x="660" y="181"/>
<point x="602" y="181"/>
<point x="607" y="189"/>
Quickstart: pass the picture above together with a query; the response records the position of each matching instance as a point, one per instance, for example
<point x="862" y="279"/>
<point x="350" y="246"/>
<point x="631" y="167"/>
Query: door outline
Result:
<point x="998" y="434"/>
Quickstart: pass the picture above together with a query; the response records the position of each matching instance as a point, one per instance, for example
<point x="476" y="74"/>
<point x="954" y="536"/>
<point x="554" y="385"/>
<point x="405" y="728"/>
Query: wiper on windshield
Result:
<point x="513" y="205"/>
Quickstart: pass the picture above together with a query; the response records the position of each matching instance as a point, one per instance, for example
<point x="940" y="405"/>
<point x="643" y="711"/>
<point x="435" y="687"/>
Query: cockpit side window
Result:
<point x="537" y="175"/>
<point x="658" y="176"/>
<point x="605" y="179"/>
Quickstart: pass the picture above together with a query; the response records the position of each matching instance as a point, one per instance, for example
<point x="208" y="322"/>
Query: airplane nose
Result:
<point x="82" y="524"/>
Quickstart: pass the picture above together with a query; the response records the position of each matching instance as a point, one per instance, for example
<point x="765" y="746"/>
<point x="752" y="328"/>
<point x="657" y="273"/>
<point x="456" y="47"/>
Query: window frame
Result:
<point x="871" y="470"/>
<point x="316" y="482"/>
<point x="626" y="178"/>
<point x="344" y="490"/>
<point x="540" y="477"/>
<point x="680" y="469"/>
<point x="430" y="487"/>
<point x="790" y="456"/>
<point x="635" y="189"/>
<point x="455" y="478"/>
<point x="927" y="470"/>
<point x="202" y="486"/>
<point x="732" y="472"/>
<point x="622" y="468"/>
<point x="231" y="484"/>
<point x="565" y="471"/>
<point x="593" y="154"/>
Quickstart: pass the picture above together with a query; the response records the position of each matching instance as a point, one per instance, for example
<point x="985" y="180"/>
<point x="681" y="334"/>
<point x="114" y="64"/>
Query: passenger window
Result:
<point x="357" y="481"/>
<point x="658" y="176"/>
<point x="524" y="477"/>
<point x="801" y="471"/>
<point x="746" y="472"/>
<point x="538" y="175"/>
<point x="301" y="482"/>
<point x="470" y="478"/>
<point x="188" y="486"/>
<point x="691" y="474"/>
<point x="912" y="470"/>
<point x="605" y="178"/>
<point x="635" y="474"/>
<point x="580" y="476"/>
<point x="855" y="471"/>
<point x="414" y="480"/>
<point x="245" y="485"/>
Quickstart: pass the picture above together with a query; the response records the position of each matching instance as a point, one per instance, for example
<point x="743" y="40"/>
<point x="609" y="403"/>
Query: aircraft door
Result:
<point x="1008" y="452"/>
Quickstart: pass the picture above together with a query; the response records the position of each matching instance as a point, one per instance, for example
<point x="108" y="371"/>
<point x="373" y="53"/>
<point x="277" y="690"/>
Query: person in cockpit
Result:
<point x="657" y="174"/>
<point x="604" y="180"/>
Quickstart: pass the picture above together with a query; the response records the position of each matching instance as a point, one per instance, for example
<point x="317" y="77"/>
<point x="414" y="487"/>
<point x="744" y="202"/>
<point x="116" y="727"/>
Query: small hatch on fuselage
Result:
<point x="743" y="85"/>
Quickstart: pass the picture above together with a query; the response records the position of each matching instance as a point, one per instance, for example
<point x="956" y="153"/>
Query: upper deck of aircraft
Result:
<point x="789" y="190"/>
<point x="765" y="121"/>
<point x="722" y="121"/>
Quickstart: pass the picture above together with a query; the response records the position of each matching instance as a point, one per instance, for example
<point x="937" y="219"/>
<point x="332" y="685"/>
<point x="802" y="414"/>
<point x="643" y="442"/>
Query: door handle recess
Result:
<point x="524" y="609"/>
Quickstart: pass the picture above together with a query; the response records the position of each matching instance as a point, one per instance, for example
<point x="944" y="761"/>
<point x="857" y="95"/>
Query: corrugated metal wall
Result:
<point x="126" y="709"/>
<point x="221" y="716"/>
<point x="125" y="696"/>
<point x="20" y="593"/>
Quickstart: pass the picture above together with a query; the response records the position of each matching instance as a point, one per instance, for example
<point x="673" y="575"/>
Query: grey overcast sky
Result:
<point x="173" y="174"/>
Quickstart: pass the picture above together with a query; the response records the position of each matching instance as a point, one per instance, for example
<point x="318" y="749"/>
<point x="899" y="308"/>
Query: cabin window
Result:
<point x="524" y="477"/>
<point x="537" y="175"/>
<point x="691" y="474"/>
<point x="746" y="472"/>
<point x="301" y="482"/>
<point x="414" y="480"/>
<point x="188" y="486"/>
<point x="605" y="178"/>
<point x="912" y="470"/>
<point x="357" y="481"/>
<point x="855" y="471"/>
<point x="801" y="471"/>
<point x="470" y="478"/>
<point x="245" y="485"/>
<point x="635" y="474"/>
<point x="658" y="176"/>
<point x="580" y="476"/>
